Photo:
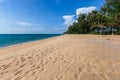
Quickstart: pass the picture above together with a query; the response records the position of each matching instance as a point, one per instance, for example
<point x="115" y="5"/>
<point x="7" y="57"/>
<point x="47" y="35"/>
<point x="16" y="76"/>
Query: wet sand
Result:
<point x="66" y="57"/>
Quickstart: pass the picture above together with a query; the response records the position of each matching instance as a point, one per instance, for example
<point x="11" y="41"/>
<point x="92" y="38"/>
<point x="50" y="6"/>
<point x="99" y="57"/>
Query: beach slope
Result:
<point x="66" y="57"/>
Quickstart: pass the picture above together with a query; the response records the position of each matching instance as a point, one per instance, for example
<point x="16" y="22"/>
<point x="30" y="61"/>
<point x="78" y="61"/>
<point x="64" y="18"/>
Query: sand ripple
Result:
<point x="68" y="57"/>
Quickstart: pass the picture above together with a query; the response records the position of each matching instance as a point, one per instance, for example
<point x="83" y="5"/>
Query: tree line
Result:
<point x="105" y="21"/>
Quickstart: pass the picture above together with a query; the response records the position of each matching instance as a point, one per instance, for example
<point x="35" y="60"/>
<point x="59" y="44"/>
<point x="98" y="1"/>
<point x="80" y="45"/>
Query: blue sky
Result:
<point x="42" y="16"/>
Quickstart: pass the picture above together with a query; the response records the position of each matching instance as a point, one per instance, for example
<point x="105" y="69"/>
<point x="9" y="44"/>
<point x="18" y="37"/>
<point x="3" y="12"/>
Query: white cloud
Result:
<point x="3" y="20"/>
<point x="69" y="19"/>
<point x="85" y="10"/>
<point x="24" y="23"/>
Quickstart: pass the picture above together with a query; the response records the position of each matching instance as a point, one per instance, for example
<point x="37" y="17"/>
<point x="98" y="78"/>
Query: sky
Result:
<point x="42" y="16"/>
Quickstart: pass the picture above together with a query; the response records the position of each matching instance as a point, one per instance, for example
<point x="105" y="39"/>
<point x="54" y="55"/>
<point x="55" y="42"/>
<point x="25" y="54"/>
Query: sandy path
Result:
<point x="68" y="57"/>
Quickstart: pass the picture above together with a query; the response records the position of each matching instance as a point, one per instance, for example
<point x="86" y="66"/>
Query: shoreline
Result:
<point x="27" y="42"/>
<point x="22" y="43"/>
<point x="65" y="57"/>
<point x="11" y="50"/>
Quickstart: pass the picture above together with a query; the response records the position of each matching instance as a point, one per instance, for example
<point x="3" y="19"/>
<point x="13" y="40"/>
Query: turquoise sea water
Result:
<point x="12" y="39"/>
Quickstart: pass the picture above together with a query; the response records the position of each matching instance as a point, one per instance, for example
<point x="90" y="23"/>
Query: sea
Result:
<point x="13" y="39"/>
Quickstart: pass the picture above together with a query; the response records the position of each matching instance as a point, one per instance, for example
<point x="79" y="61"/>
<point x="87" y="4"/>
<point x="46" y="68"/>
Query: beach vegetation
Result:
<point x="105" y="21"/>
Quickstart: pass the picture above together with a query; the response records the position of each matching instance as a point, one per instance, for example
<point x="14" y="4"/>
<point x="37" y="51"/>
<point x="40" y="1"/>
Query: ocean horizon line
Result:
<point x="14" y="39"/>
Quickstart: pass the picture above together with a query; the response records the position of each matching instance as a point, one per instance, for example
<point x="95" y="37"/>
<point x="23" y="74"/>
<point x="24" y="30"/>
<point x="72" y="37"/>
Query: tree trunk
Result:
<point x="101" y="31"/>
<point x="112" y="32"/>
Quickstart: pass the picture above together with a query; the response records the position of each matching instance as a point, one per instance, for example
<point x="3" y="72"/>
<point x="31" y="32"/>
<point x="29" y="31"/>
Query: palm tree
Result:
<point x="108" y="16"/>
<point x="96" y="18"/>
<point x="83" y="24"/>
<point x="111" y="10"/>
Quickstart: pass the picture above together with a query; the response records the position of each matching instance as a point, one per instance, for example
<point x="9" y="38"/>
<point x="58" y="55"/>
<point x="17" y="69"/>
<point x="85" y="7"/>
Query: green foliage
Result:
<point x="111" y="10"/>
<point x="109" y="15"/>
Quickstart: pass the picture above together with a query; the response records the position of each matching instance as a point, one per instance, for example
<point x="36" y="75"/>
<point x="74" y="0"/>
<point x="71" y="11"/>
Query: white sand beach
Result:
<point x="66" y="57"/>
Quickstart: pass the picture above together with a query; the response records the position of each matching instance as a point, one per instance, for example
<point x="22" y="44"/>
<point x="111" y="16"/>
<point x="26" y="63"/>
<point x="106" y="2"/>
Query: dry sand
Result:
<point x="67" y="57"/>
